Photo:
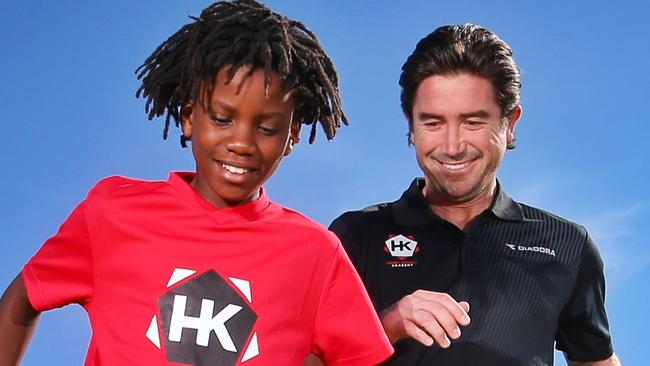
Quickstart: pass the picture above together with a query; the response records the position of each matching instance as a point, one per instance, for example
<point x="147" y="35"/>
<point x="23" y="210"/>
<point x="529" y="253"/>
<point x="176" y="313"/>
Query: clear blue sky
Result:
<point x="67" y="95"/>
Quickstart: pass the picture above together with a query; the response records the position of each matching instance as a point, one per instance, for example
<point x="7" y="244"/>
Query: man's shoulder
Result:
<point x="360" y="227"/>
<point x="369" y="216"/>
<point x="551" y="220"/>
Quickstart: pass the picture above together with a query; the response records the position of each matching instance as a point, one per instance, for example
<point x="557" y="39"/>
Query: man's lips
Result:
<point x="457" y="167"/>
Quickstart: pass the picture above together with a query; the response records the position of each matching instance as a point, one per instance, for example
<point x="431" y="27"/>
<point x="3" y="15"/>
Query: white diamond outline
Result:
<point x="253" y="349"/>
<point x="244" y="286"/>
<point x="178" y="275"/>
<point x="152" y="333"/>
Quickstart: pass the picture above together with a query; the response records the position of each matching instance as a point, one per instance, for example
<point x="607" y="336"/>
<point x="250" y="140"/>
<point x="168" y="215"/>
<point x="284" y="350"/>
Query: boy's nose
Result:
<point x="241" y="141"/>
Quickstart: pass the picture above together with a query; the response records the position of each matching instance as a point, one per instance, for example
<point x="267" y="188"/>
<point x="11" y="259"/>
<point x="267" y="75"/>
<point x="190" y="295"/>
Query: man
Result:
<point x="456" y="241"/>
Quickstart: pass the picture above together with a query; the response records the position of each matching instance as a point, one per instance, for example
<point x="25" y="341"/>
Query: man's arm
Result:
<point x="611" y="361"/>
<point x="18" y="320"/>
<point x="427" y="317"/>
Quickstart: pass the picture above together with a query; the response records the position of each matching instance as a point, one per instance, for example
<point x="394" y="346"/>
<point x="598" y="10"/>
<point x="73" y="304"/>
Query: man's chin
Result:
<point x="459" y="194"/>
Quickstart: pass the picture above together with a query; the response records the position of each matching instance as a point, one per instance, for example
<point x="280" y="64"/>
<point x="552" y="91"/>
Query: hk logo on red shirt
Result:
<point x="205" y="320"/>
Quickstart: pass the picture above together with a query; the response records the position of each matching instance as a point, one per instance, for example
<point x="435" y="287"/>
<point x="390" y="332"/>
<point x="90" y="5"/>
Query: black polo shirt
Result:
<point x="530" y="277"/>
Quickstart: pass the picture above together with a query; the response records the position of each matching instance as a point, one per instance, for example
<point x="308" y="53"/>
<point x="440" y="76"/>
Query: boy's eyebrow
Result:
<point x="266" y="115"/>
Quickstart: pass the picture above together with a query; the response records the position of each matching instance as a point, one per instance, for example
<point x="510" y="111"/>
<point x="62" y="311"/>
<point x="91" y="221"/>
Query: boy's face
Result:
<point x="238" y="144"/>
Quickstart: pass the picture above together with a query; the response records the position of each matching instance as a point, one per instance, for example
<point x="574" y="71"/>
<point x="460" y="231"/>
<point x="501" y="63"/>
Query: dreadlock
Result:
<point x="235" y="34"/>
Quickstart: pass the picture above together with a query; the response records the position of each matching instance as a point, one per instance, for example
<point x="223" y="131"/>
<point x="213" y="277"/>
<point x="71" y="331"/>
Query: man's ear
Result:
<point x="294" y="137"/>
<point x="512" y="122"/>
<point x="186" y="119"/>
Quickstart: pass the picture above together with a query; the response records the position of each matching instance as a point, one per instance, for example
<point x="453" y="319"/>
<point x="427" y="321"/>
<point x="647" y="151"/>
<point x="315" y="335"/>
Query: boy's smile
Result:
<point x="239" y="135"/>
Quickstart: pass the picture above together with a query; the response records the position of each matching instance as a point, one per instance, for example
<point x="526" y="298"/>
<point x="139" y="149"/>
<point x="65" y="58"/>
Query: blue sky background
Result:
<point x="67" y="89"/>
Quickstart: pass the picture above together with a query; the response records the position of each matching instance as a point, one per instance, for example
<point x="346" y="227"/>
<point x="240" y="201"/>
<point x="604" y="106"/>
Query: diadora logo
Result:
<point x="206" y="320"/>
<point x="402" y="247"/>
<point x="525" y="248"/>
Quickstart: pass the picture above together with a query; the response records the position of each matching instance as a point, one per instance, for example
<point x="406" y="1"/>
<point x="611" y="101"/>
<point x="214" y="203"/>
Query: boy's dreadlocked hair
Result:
<point x="241" y="33"/>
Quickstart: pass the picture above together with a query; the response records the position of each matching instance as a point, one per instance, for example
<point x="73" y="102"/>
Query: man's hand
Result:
<point x="426" y="317"/>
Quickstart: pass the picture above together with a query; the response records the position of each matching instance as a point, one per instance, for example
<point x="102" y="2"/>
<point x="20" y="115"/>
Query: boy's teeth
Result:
<point x="234" y="169"/>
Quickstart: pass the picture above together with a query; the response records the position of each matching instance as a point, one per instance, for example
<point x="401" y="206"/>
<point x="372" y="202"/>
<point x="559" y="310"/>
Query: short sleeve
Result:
<point x="583" y="329"/>
<point x="60" y="273"/>
<point x="347" y="330"/>
<point x="340" y="228"/>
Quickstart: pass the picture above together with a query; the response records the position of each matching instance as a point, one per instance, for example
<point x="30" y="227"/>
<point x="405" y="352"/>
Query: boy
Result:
<point x="204" y="269"/>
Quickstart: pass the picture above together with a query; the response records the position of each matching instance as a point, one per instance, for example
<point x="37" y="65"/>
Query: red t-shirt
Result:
<point x="168" y="279"/>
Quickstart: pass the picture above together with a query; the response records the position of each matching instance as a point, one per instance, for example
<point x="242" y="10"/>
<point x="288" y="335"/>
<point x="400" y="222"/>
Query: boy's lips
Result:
<point x="236" y="168"/>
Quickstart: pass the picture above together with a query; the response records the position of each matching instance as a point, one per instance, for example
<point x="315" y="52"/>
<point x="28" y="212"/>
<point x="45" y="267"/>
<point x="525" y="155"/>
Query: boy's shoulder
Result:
<point x="295" y="221"/>
<point x="115" y="188"/>
<point x="120" y="184"/>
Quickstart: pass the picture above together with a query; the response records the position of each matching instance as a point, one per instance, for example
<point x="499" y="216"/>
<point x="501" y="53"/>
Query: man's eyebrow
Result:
<point x="480" y="114"/>
<point x="427" y="115"/>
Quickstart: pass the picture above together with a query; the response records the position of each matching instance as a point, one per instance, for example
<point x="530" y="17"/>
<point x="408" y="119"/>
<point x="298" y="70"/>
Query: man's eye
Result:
<point x="432" y="124"/>
<point x="474" y="124"/>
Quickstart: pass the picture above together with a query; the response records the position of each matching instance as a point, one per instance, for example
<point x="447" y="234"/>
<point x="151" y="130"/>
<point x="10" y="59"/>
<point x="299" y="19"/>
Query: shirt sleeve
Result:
<point x="347" y="330"/>
<point x="349" y="242"/>
<point x="583" y="329"/>
<point x="60" y="273"/>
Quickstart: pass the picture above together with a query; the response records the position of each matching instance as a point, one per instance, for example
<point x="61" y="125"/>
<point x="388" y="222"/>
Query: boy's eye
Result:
<point x="268" y="130"/>
<point x="220" y="120"/>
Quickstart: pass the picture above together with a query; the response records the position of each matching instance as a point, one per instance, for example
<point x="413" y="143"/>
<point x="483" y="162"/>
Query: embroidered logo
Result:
<point x="402" y="248"/>
<point x="205" y="320"/>
<point x="537" y="249"/>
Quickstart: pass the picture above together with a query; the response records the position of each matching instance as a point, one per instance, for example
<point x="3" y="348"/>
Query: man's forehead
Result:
<point x="463" y="93"/>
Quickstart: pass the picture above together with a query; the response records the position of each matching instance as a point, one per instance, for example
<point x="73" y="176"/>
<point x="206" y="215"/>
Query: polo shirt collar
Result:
<point x="412" y="208"/>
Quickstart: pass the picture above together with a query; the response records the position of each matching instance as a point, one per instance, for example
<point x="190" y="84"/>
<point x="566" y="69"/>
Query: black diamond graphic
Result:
<point x="190" y="330"/>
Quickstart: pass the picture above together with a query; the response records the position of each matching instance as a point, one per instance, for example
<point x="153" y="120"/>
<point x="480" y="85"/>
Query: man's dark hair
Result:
<point x="462" y="48"/>
<point x="235" y="34"/>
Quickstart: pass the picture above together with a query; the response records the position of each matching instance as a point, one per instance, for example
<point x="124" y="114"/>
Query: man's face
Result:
<point x="239" y="142"/>
<point x="460" y="136"/>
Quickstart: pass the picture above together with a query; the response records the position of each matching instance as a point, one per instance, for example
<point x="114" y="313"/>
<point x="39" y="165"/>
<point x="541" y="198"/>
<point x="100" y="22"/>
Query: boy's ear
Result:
<point x="186" y="120"/>
<point x="294" y="137"/>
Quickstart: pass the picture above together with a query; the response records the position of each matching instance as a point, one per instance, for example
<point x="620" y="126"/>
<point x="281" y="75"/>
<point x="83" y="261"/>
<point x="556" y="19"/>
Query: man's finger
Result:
<point x="418" y="334"/>
<point x="465" y="306"/>
<point x="458" y="311"/>
<point x="438" y="334"/>
<point x="437" y="317"/>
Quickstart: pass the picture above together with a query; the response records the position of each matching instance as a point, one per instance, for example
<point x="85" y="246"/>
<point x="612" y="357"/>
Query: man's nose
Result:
<point x="454" y="142"/>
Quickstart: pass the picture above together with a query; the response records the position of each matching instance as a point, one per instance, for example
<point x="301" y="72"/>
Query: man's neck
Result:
<point x="461" y="214"/>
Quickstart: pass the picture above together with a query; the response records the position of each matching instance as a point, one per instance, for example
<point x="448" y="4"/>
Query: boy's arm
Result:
<point x="18" y="320"/>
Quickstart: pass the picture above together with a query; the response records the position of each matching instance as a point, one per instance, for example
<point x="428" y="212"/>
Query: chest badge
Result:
<point x="205" y="319"/>
<point x="401" y="248"/>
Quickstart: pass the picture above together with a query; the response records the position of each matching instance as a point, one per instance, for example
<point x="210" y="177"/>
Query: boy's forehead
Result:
<point x="247" y="79"/>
